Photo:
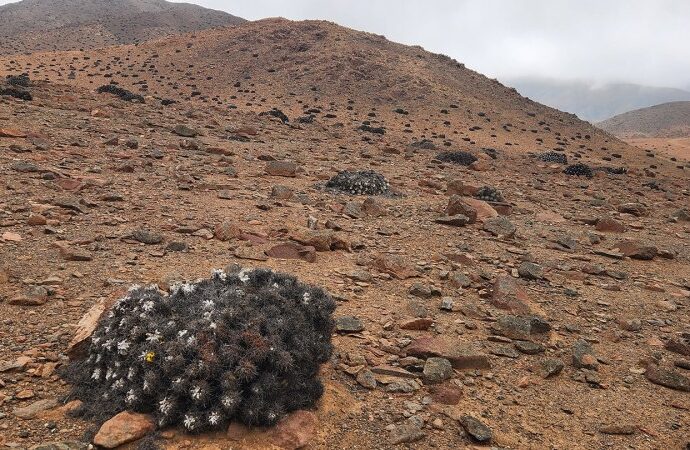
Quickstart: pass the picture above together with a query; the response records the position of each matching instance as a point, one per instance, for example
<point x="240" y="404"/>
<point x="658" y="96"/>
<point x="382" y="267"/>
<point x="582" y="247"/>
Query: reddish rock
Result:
<point x="460" y="354"/>
<point x="70" y="254"/>
<point x="281" y="168"/>
<point x="295" y="430"/>
<point x="11" y="133"/>
<point x="635" y="209"/>
<point x="458" y="206"/>
<point x="457" y="186"/>
<point x="35" y="408"/>
<point x="484" y="210"/>
<point x="123" y="428"/>
<point x="609" y="225"/>
<point x="419" y="324"/>
<point x="446" y="394"/>
<point x="321" y="240"/>
<point x="508" y="295"/>
<point x="79" y="344"/>
<point x="637" y="250"/>
<point x="11" y="237"/>
<point x="36" y="220"/>
<point x="373" y="207"/>
<point x="226" y="231"/>
<point x="395" y="265"/>
<point x="292" y="250"/>
<point x="69" y="184"/>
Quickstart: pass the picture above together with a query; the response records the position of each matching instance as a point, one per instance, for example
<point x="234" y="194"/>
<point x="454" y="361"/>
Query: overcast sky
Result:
<point x="639" y="41"/>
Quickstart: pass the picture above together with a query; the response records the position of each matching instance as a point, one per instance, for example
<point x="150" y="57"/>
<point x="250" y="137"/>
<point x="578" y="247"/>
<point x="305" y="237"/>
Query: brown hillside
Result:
<point x="348" y="76"/>
<point x="668" y="120"/>
<point x="51" y="25"/>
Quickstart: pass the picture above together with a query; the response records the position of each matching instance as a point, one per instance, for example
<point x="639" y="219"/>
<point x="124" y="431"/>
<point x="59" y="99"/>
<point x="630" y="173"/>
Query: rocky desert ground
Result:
<point x="523" y="283"/>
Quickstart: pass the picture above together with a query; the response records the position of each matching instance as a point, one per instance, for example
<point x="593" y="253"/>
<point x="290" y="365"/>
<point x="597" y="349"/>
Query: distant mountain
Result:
<point x="669" y="120"/>
<point x="594" y="102"/>
<point x="49" y="25"/>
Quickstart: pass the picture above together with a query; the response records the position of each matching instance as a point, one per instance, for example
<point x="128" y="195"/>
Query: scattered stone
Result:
<point x="476" y="429"/>
<point x="123" y="428"/>
<point x="395" y="265"/>
<point x="366" y="379"/>
<point x="185" y="131"/>
<point x="407" y="432"/>
<point x="667" y="378"/>
<point x="32" y="410"/>
<point x="508" y="295"/>
<point x="417" y="324"/>
<point x="424" y="291"/>
<point x="291" y="250"/>
<point x="550" y="367"/>
<point x="147" y="237"/>
<point x="529" y="348"/>
<point x="460" y="354"/>
<point x="295" y="431"/>
<point x="635" y="209"/>
<point x="583" y="355"/>
<point x="458" y="206"/>
<point x="177" y="246"/>
<point x="500" y="227"/>
<point x="282" y="168"/>
<point x="530" y="271"/>
<point x="348" y="324"/>
<point x="457" y="220"/>
<point x="437" y="370"/>
<point x="637" y="250"/>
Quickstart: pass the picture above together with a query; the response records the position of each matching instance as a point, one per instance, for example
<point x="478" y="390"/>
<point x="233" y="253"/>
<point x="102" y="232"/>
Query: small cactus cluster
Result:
<point x="244" y="346"/>
<point x="460" y="158"/>
<point x="553" y="157"/>
<point x="489" y="194"/>
<point x="580" y="170"/>
<point x="616" y="170"/>
<point x="124" y="94"/>
<point x="21" y="80"/>
<point x="365" y="182"/>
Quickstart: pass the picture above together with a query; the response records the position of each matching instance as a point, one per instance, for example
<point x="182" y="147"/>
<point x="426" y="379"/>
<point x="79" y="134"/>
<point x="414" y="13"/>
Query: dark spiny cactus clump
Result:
<point x="489" y="194"/>
<point x="16" y="93"/>
<point x="124" y="94"/>
<point x="553" y="157"/>
<point x="366" y="182"/>
<point x="19" y="80"/>
<point x="306" y="119"/>
<point x="245" y="346"/>
<point x="460" y="158"/>
<point x="375" y="130"/>
<point x="616" y="170"/>
<point x="275" y="112"/>
<point x="424" y="144"/>
<point x="580" y="170"/>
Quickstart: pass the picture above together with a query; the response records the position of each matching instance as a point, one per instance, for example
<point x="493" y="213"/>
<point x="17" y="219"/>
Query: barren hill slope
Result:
<point x="48" y="25"/>
<point x="344" y="77"/>
<point x="668" y="120"/>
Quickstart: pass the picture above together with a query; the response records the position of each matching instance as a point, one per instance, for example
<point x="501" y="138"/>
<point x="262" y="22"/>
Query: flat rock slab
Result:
<point x="295" y="430"/>
<point x="30" y="411"/>
<point x="123" y="428"/>
<point x="460" y="354"/>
